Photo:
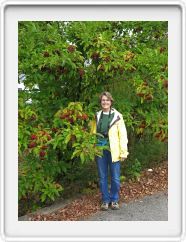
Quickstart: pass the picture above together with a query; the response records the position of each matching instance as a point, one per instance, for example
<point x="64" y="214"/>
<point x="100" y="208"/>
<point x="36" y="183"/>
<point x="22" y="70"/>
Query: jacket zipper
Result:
<point x="118" y="118"/>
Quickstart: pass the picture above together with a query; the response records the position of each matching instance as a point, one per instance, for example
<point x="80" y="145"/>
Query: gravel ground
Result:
<point x="150" y="208"/>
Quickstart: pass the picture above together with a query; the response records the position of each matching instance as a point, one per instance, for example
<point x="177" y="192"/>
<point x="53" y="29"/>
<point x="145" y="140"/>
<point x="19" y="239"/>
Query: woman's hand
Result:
<point x="122" y="158"/>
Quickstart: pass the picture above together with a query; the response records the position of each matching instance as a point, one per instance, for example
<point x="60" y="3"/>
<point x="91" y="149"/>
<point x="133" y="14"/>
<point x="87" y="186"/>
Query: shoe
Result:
<point x="114" y="205"/>
<point x="104" y="206"/>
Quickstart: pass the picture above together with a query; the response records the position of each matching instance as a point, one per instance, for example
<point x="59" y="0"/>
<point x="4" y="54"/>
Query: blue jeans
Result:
<point x="103" y="163"/>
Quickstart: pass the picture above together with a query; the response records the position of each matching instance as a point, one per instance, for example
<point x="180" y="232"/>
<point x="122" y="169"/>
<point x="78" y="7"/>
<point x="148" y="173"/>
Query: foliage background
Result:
<point x="64" y="66"/>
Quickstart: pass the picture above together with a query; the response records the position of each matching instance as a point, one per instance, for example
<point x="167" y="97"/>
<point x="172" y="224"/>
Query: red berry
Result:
<point x="46" y="54"/>
<point x="162" y="49"/>
<point x="33" y="136"/>
<point x="33" y="117"/>
<point x="32" y="145"/>
<point x="95" y="56"/>
<point x="81" y="72"/>
<point x="48" y="137"/>
<point x="84" y="117"/>
<point x="71" y="120"/>
<point x="54" y="130"/>
<point x="73" y="138"/>
<point x="42" y="153"/>
<point x="142" y="125"/>
<point x="61" y="69"/>
<point x="140" y="94"/>
<point x="148" y="97"/>
<point x="63" y="116"/>
<point x="71" y="48"/>
<point x="107" y="59"/>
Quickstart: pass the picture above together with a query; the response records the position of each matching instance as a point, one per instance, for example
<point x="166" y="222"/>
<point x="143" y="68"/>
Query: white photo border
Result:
<point x="4" y="111"/>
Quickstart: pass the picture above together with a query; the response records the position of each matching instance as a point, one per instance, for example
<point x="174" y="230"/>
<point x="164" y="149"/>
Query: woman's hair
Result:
<point x="108" y="95"/>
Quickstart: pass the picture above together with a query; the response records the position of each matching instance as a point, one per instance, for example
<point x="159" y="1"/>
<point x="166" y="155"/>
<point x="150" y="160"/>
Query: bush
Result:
<point x="132" y="169"/>
<point x="55" y="152"/>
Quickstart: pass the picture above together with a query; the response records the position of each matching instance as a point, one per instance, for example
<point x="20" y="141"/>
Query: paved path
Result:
<point x="149" y="208"/>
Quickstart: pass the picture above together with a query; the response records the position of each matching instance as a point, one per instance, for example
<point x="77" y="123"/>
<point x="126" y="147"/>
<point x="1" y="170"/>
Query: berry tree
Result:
<point x="64" y="66"/>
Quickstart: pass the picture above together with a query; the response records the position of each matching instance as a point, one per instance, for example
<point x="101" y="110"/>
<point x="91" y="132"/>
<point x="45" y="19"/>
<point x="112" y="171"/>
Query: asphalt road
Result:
<point x="149" y="208"/>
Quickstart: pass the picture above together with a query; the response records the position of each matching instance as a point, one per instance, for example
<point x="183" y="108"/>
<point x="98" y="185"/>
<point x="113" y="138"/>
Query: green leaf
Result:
<point x="43" y="197"/>
<point x="82" y="157"/>
<point x="67" y="139"/>
<point x="75" y="153"/>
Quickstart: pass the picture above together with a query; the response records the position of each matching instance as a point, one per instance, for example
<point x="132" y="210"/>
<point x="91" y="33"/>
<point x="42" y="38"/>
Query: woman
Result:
<point x="110" y="123"/>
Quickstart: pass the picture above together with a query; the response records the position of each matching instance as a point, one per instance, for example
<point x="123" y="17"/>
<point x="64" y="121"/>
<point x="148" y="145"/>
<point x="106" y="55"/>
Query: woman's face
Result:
<point x="105" y="103"/>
